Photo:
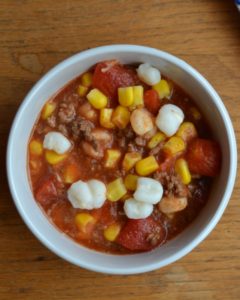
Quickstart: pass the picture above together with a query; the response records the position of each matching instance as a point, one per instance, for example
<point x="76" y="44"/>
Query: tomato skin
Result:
<point x="110" y="75"/>
<point x="152" y="101"/>
<point x="136" y="233"/>
<point x="46" y="193"/>
<point x="204" y="157"/>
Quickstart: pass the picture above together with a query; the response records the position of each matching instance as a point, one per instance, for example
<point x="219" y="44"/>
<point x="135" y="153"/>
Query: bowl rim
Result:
<point x="227" y="123"/>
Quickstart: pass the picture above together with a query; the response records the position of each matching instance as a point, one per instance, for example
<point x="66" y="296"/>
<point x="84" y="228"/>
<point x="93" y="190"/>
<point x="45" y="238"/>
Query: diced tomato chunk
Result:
<point x="71" y="173"/>
<point x="204" y="157"/>
<point x="152" y="101"/>
<point x="46" y="192"/>
<point x="142" y="234"/>
<point x="62" y="215"/>
<point x="110" y="75"/>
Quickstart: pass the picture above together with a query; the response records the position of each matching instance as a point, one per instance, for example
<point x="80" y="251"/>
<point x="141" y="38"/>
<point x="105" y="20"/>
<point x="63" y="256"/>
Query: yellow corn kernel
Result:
<point x="125" y="96"/>
<point x="137" y="96"/>
<point x="121" y="117"/>
<point x="156" y="139"/>
<point x="181" y="168"/>
<point x="174" y="145"/>
<point x="105" y="118"/>
<point x="195" y="113"/>
<point x="86" y="79"/>
<point x="130" y="159"/>
<point x="116" y="190"/>
<point x="112" y="157"/>
<point x="97" y="99"/>
<point x="187" y="131"/>
<point x="82" y="90"/>
<point x="163" y="89"/>
<point x="84" y="219"/>
<point x="54" y="158"/>
<point x="36" y="147"/>
<point x="48" y="109"/>
<point x="130" y="182"/>
<point x="146" y="166"/>
<point x="111" y="232"/>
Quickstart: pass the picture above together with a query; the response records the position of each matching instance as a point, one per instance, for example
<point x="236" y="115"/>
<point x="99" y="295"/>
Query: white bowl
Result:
<point x="194" y="84"/>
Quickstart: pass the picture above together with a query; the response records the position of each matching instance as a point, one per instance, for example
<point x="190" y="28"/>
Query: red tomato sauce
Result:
<point x="74" y="117"/>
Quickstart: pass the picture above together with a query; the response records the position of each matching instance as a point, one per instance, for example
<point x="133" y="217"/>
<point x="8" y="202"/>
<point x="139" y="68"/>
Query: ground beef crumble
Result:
<point x="63" y="129"/>
<point x="82" y="128"/>
<point x="172" y="184"/>
<point x="124" y="136"/>
<point x="132" y="147"/>
<point x="67" y="112"/>
<point x="140" y="141"/>
<point x="52" y="121"/>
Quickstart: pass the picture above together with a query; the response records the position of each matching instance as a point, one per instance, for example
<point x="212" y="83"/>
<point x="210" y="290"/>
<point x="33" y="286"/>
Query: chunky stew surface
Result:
<point x="115" y="167"/>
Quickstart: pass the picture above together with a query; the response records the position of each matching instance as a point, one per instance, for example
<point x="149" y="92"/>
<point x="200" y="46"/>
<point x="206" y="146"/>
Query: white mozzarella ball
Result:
<point x="57" y="142"/>
<point x="98" y="190"/>
<point x="148" y="190"/>
<point x="169" y="119"/>
<point x="80" y="196"/>
<point x="148" y="74"/>
<point x="137" y="210"/>
<point x="87" y="195"/>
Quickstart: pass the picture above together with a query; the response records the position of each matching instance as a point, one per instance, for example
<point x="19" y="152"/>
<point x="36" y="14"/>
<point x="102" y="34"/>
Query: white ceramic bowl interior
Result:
<point x="194" y="84"/>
